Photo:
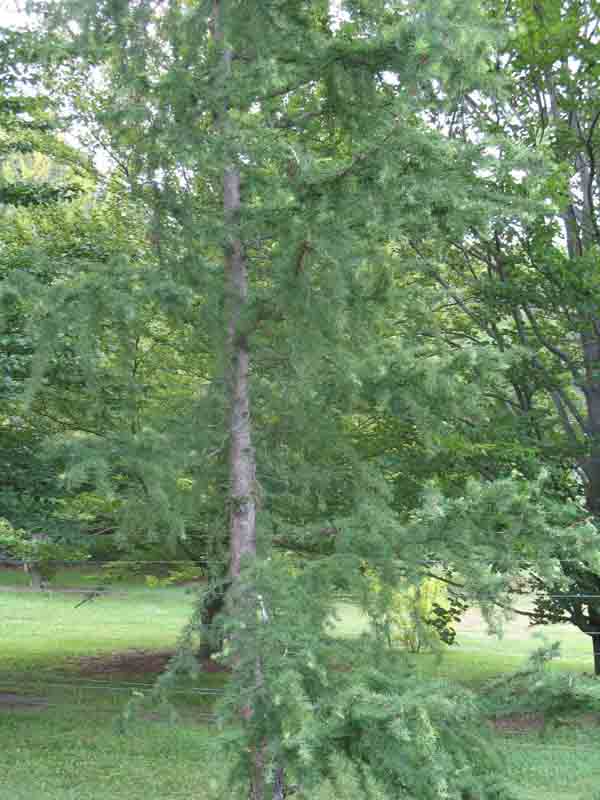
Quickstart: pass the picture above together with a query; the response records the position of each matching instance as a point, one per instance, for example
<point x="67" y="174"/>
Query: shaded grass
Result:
<point x="79" y="576"/>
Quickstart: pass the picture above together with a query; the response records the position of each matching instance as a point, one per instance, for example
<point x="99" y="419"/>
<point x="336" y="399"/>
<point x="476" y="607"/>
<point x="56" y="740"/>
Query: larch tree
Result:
<point x="276" y="152"/>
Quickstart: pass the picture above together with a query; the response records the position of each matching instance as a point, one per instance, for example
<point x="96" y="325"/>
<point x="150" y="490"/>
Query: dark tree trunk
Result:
<point x="211" y="640"/>
<point x="596" y="646"/>
<point x="36" y="579"/>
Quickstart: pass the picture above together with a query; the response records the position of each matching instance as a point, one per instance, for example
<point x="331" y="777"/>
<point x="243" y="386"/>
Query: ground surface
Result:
<point x="66" y="673"/>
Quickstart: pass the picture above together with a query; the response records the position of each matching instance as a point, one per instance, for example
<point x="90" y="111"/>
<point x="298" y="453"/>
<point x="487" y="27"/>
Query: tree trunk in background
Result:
<point x="32" y="568"/>
<point x="36" y="580"/>
<point x="596" y="646"/>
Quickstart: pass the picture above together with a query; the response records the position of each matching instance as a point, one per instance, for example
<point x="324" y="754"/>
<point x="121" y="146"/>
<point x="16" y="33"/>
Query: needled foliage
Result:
<point x="523" y="283"/>
<point x="350" y="720"/>
<point x="228" y="346"/>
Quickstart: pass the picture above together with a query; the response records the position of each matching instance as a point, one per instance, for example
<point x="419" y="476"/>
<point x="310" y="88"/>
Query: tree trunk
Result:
<point x="242" y="468"/>
<point x="32" y="568"/>
<point x="36" y="580"/>
<point x="596" y="647"/>
<point x="241" y="453"/>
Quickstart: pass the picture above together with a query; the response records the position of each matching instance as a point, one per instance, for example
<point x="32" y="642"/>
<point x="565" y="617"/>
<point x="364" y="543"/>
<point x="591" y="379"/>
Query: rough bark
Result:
<point x="242" y="467"/>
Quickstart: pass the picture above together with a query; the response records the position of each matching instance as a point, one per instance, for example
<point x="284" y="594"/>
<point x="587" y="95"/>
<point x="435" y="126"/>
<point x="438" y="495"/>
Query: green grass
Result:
<point x="477" y="656"/>
<point x="563" y="767"/>
<point x="71" y="749"/>
<point x="67" y="756"/>
<point x="45" y="629"/>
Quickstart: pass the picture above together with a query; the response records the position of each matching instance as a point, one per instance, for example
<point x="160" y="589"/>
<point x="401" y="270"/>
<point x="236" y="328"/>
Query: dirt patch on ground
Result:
<point x="134" y="662"/>
<point x="124" y="662"/>
<point x="535" y="721"/>
<point x="19" y="702"/>
<point x="520" y="723"/>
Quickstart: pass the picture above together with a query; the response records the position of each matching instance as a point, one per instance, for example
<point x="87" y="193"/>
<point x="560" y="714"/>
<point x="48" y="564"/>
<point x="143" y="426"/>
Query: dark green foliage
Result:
<point x="443" y="618"/>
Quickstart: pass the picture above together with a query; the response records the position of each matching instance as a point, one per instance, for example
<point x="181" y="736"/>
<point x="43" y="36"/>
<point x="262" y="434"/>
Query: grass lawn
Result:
<point x="74" y="756"/>
<point x="40" y="630"/>
<point x="69" y="748"/>
<point x="476" y="656"/>
<point x="81" y="663"/>
<point x="566" y="766"/>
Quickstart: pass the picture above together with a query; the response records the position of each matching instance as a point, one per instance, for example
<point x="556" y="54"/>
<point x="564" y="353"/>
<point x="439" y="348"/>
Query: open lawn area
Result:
<point x="66" y="672"/>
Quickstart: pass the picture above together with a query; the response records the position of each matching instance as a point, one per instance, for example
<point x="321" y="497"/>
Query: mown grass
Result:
<point x="71" y="749"/>
<point x="478" y="656"/>
<point x="40" y="630"/>
<point x="562" y="767"/>
<point x="78" y="756"/>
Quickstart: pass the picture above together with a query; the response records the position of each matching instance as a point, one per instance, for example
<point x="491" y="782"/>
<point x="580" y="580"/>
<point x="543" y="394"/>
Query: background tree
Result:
<point x="523" y="283"/>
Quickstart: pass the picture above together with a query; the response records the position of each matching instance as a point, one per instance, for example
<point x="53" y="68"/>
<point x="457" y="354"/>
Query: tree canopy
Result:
<point x="322" y="318"/>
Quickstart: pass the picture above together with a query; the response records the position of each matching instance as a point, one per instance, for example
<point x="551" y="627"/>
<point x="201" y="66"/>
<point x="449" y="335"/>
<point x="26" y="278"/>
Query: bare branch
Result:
<point x="552" y="348"/>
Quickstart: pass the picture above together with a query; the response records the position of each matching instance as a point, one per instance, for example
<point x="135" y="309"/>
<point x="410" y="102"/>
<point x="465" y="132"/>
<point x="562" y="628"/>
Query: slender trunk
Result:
<point x="596" y="645"/>
<point x="241" y="453"/>
<point x="242" y="467"/>
<point x="36" y="580"/>
<point x="32" y="568"/>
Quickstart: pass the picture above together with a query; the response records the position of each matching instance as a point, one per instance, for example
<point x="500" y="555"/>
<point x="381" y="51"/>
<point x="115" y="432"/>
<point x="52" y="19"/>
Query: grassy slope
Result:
<point x="71" y="751"/>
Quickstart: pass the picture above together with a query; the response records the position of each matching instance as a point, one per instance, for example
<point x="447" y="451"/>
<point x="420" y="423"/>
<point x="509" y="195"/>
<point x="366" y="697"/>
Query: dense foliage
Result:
<point x="310" y="325"/>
